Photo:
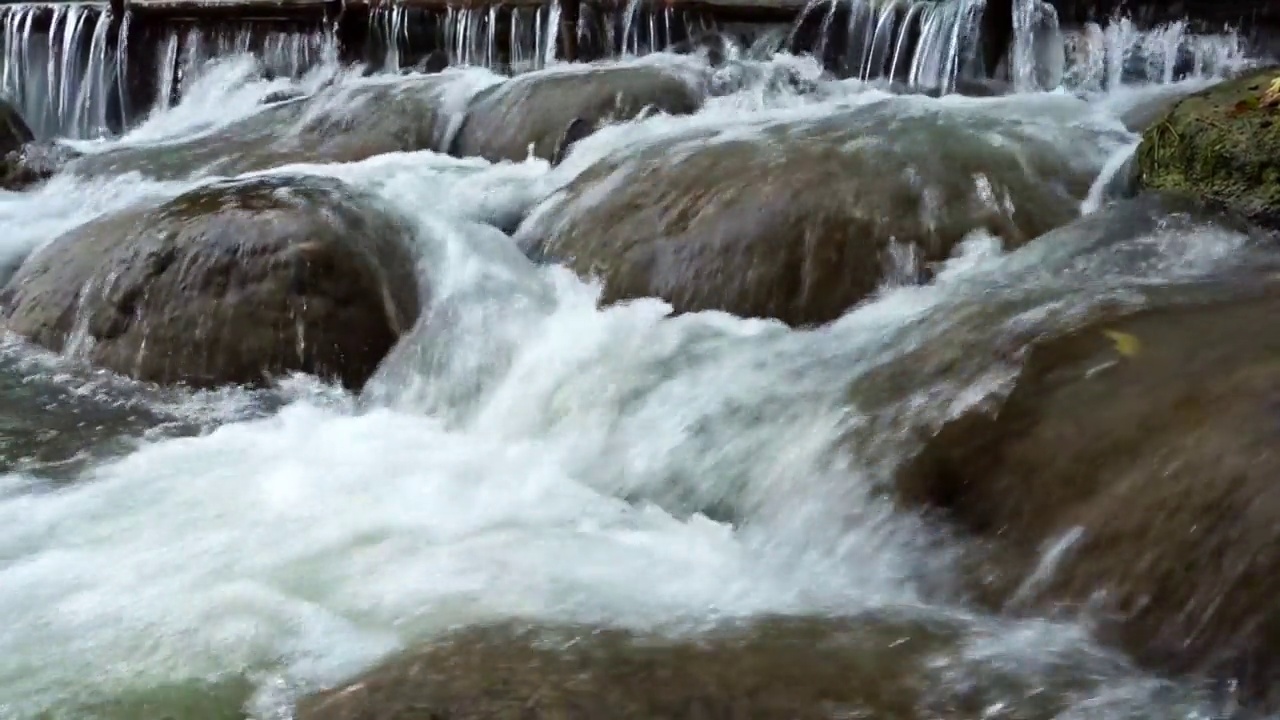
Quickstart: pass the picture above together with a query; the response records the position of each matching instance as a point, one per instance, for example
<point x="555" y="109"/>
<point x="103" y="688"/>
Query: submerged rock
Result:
<point x="533" y="110"/>
<point x="337" y="124"/>
<point x="1129" y="473"/>
<point x="229" y="283"/>
<point x="774" y="669"/>
<point x="1221" y="143"/>
<point x="220" y="699"/>
<point x="800" y="220"/>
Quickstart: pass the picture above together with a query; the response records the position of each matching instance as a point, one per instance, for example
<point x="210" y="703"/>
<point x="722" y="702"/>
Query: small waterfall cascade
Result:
<point x="62" y="65"/>
<point x="513" y="38"/>
<point x="77" y="70"/>
<point x="1099" y="59"/>
<point x="282" y="53"/>
<point x="646" y="29"/>
<point x="1036" y="60"/>
<point x="506" y="38"/>
<point x="919" y="42"/>
<point x="390" y="24"/>
<point x="87" y="70"/>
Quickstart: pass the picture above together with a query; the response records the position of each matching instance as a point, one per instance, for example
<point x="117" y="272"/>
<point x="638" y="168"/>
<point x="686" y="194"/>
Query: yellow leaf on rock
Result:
<point x="1271" y="96"/>
<point x="1126" y="344"/>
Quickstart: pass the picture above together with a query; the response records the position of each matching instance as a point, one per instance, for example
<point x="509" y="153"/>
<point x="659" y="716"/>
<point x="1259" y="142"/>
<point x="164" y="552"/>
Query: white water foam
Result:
<point x="529" y="454"/>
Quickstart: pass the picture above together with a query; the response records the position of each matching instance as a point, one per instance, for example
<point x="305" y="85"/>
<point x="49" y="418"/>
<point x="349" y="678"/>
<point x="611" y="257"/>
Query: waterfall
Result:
<point x="514" y="38"/>
<point x="920" y="42"/>
<point x="61" y="63"/>
<point x="65" y="64"/>
<point x="85" y="70"/>
<point x="1100" y="59"/>
<point x="931" y="44"/>
<point x="282" y="53"/>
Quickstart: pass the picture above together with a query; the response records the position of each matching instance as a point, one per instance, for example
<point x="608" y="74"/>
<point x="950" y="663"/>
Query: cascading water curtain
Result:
<point x="514" y="38"/>
<point x="924" y="43"/>
<point x="281" y="53"/>
<point x="61" y="68"/>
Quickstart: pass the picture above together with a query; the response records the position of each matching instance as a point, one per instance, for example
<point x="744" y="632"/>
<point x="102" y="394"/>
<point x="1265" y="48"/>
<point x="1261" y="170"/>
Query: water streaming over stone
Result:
<point x="67" y="65"/>
<point x="283" y="53"/>
<point x="526" y="453"/>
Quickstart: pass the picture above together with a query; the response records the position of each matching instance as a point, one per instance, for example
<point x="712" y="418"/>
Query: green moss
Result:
<point x="1221" y="143"/>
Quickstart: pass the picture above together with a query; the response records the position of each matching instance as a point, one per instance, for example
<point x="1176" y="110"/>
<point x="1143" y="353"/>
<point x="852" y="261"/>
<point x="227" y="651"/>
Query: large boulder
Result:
<point x="801" y="219"/>
<point x="535" y="110"/>
<point x="1128" y="474"/>
<point x="882" y="666"/>
<point x="343" y="122"/>
<point x="229" y="283"/>
<point x="1222" y="143"/>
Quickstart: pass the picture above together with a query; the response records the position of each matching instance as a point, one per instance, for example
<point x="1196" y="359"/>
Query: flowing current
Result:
<point x="227" y="551"/>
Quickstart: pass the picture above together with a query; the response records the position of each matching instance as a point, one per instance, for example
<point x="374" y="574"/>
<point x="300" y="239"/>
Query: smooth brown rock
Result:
<point x="534" y="109"/>
<point x="1144" y="443"/>
<point x="229" y="283"/>
<point x="885" y="667"/>
<point x="796" y="220"/>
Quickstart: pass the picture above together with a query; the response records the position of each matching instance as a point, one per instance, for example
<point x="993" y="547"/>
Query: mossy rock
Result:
<point x="1222" y="143"/>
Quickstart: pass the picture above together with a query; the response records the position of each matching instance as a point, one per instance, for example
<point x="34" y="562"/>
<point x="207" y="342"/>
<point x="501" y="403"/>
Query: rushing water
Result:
<point x="560" y="462"/>
<point x="76" y="70"/>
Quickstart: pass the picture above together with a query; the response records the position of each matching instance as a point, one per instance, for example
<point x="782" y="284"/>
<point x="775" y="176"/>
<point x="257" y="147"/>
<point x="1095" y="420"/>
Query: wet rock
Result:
<point x="533" y="110"/>
<point x="282" y="96"/>
<point x="229" y="283"/>
<point x="968" y="87"/>
<point x="14" y="132"/>
<point x="1129" y="474"/>
<point x="1150" y="105"/>
<point x="801" y="220"/>
<point x="981" y="87"/>
<point x="714" y="44"/>
<point x="576" y="130"/>
<point x="336" y="124"/>
<point x="435" y="62"/>
<point x="1220" y="143"/>
<point x="774" y="669"/>
<point x="33" y="163"/>
<point x="23" y="162"/>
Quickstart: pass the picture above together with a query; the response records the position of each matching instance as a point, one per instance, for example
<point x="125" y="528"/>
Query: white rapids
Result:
<point x="561" y="462"/>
